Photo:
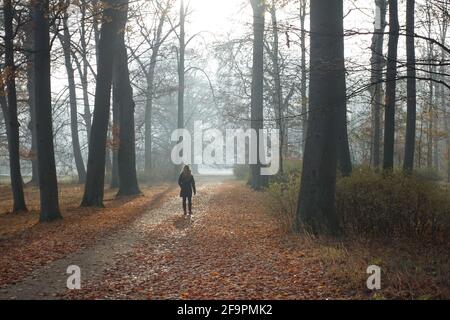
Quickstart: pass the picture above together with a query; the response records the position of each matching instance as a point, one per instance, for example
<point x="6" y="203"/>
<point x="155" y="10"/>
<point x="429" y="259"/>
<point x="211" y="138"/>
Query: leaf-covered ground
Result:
<point x="26" y="245"/>
<point x="230" y="249"/>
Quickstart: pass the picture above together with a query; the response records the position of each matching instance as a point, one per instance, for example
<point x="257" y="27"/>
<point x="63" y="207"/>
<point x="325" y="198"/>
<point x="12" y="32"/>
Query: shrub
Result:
<point x="292" y="166"/>
<point x="392" y="205"/>
<point x="428" y="174"/>
<point x="282" y="200"/>
<point x="370" y="204"/>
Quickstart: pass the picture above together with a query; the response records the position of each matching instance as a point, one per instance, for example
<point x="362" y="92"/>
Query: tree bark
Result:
<point x="95" y="178"/>
<point x="377" y="64"/>
<point x="316" y="210"/>
<point x="391" y="85"/>
<point x="48" y="184"/>
<point x="410" y="142"/>
<point x="181" y="67"/>
<point x="128" y="184"/>
<point x="181" y="71"/>
<point x="115" y="139"/>
<point x="13" y="122"/>
<point x="83" y="71"/>
<point x="303" y="81"/>
<point x="29" y="56"/>
<point x="278" y="90"/>
<point x="343" y="152"/>
<point x="257" y="93"/>
<point x="65" y="43"/>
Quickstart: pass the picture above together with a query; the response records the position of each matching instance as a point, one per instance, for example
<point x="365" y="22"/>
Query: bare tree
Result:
<point x="411" y="88"/>
<point x="377" y="63"/>
<point x="12" y="121"/>
<point x="391" y="86"/>
<point x="48" y="184"/>
<point x="95" y="178"/>
<point x="278" y="89"/>
<point x="181" y="66"/>
<point x="303" y="81"/>
<point x="257" y="94"/>
<point x="155" y="44"/>
<point x="65" y="40"/>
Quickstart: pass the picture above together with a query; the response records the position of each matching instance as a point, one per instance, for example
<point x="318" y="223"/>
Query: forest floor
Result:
<point x="231" y="248"/>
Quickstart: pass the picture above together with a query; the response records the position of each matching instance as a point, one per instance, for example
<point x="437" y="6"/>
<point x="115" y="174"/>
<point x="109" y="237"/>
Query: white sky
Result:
<point x="217" y="16"/>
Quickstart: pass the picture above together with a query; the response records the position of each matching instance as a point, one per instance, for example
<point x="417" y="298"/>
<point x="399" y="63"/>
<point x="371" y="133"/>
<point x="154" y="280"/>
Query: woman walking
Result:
<point x="187" y="184"/>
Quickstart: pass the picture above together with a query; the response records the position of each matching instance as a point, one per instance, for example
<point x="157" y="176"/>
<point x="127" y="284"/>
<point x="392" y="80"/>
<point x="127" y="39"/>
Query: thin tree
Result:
<point x="257" y="93"/>
<point x="65" y="40"/>
<point x="408" y="164"/>
<point x="316" y="210"/>
<point x="279" y="106"/>
<point x="12" y="120"/>
<point x="181" y="66"/>
<point x="95" y="177"/>
<point x="377" y="63"/>
<point x="48" y="184"/>
<point x="391" y="86"/>
<point x="29" y="56"/>
<point x="343" y="151"/>
<point x="83" y="67"/>
<point x="303" y="80"/>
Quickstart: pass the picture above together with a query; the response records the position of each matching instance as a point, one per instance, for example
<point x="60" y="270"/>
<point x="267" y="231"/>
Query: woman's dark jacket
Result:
<point x="187" y="184"/>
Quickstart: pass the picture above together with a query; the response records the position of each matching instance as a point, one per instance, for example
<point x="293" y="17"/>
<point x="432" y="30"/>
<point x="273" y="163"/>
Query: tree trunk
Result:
<point x="95" y="26"/>
<point x="65" y="42"/>
<point x="31" y="127"/>
<point x="115" y="138"/>
<point x="377" y="62"/>
<point x="410" y="142"/>
<point x="128" y="184"/>
<point x="48" y="184"/>
<point x="4" y="107"/>
<point x="278" y="90"/>
<point x="257" y="93"/>
<point x="13" y="122"/>
<point x="95" y="178"/>
<point x="181" y="67"/>
<point x="148" y="126"/>
<point x="83" y="71"/>
<point x="391" y="85"/>
<point x="430" y="119"/>
<point x="28" y="30"/>
<point x="343" y="152"/>
<point x="303" y="81"/>
<point x="316" y="210"/>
